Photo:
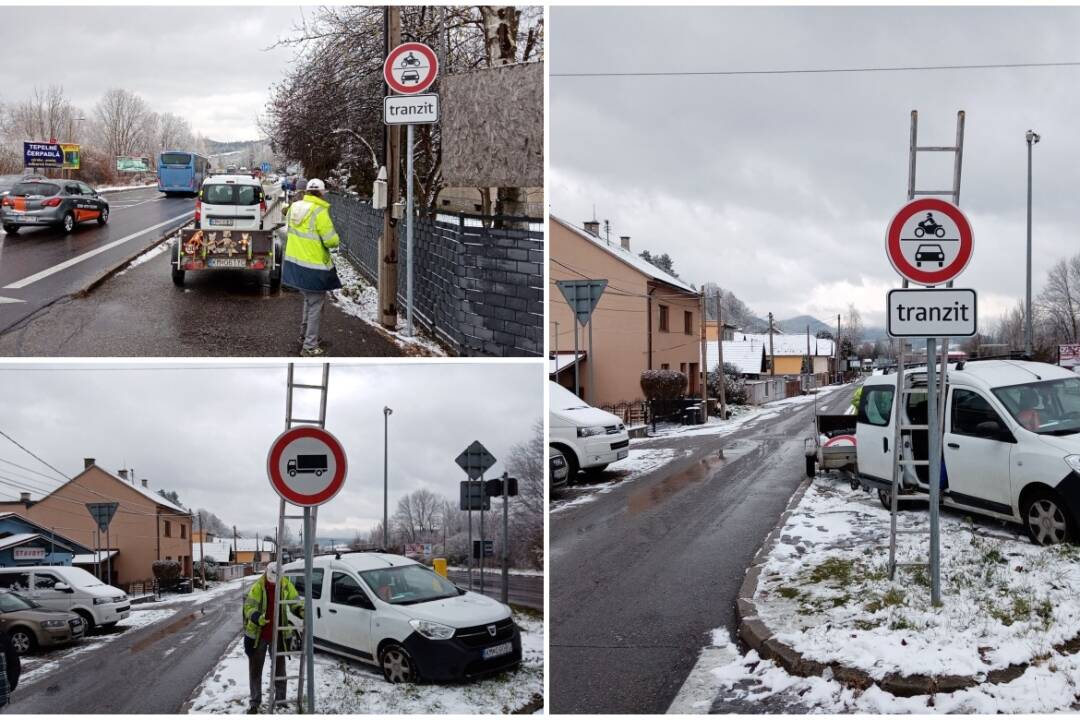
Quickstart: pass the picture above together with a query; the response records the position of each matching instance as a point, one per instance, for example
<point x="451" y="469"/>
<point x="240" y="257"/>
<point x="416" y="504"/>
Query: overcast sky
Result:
<point x="206" y="433"/>
<point x="780" y="187"/>
<point x="206" y="64"/>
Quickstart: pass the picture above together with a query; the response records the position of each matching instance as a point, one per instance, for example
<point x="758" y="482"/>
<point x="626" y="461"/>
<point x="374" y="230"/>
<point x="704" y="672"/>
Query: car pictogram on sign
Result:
<point x="929" y="253"/>
<point x="929" y="263"/>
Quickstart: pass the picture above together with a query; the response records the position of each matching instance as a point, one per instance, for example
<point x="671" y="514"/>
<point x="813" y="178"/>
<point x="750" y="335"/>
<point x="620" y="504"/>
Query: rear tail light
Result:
<point x="198" y="210"/>
<point x="8" y="202"/>
<point x="51" y="202"/>
<point x="262" y="206"/>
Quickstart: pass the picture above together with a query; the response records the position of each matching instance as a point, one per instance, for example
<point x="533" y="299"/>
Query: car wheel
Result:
<point x="941" y="264"/>
<point x="22" y="640"/>
<point x="68" y="223"/>
<point x="397" y="665"/>
<point x="11" y="229"/>
<point x="275" y="280"/>
<point x="177" y="276"/>
<point x="88" y="620"/>
<point x="103" y="217"/>
<point x="572" y="467"/>
<point x="811" y="461"/>
<point x="1046" y="519"/>
<point x="918" y="264"/>
<point x="885" y="498"/>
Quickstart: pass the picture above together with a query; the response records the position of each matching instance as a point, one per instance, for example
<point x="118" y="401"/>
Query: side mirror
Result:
<point x="360" y="600"/>
<point x="993" y="430"/>
<point x="62" y="587"/>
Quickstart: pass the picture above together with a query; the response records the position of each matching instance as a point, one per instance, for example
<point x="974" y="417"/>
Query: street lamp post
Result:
<point x="1032" y="138"/>
<point x="387" y="412"/>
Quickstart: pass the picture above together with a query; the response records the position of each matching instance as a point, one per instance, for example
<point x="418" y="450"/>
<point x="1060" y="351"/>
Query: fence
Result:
<point x="631" y="413"/>
<point x="477" y="288"/>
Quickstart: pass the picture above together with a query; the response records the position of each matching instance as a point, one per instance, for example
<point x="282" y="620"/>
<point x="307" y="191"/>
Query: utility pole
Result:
<point x="772" y="355"/>
<point x="385" y="478"/>
<point x="809" y="359"/>
<point x="202" y="551"/>
<point x="1032" y="138"/>
<point x="388" y="250"/>
<point x="720" y="347"/>
<point x="236" y="554"/>
<point x="704" y="365"/>
<point x="839" y="377"/>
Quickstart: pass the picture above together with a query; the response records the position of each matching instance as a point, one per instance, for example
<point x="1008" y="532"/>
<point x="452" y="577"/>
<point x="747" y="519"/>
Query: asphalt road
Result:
<point x="525" y="590"/>
<point x="152" y="670"/>
<point x="139" y="312"/>
<point x="641" y="575"/>
<point x="41" y="265"/>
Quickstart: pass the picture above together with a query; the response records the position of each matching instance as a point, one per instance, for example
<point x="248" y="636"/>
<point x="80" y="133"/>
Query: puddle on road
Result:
<point x="170" y="629"/>
<point x="700" y="470"/>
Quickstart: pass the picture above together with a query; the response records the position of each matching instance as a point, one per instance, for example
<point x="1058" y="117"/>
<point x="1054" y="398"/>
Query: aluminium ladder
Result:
<point x="902" y="392"/>
<point x="278" y="633"/>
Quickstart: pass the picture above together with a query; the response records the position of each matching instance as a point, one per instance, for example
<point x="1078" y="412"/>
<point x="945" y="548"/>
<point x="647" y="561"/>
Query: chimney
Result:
<point x="87" y="462"/>
<point x="144" y="481"/>
<point x="593" y="227"/>
<point x="123" y="474"/>
<point x="624" y="240"/>
<point x="24" y="498"/>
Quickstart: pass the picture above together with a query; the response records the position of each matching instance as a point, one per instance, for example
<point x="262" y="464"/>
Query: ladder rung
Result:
<point x="286" y="677"/>
<point x="304" y="422"/>
<point x="936" y="148"/>
<point x="292" y="517"/>
<point x="287" y="653"/>
<point x="309" y="387"/>
<point x="913" y="564"/>
<point x="914" y="427"/>
<point x="914" y="462"/>
<point x="912" y="532"/>
<point x="933" y="192"/>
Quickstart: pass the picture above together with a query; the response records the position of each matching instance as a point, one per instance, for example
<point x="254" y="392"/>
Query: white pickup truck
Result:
<point x="1010" y="443"/>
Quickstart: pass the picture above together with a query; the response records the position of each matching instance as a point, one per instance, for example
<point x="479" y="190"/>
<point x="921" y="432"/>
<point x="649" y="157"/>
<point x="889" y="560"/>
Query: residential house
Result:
<point x="24" y="542"/>
<point x="235" y="551"/>
<point x="646" y="318"/>
<point x="146" y="526"/>
<point x="787" y="352"/>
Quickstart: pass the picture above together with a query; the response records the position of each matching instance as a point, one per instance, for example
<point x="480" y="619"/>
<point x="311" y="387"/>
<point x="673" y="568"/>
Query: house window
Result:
<point x="183" y="531"/>
<point x="688" y="322"/>
<point x="663" y="318"/>
<point x="665" y="366"/>
<point x="168" y="530"/>
<point x="694" y="378"/>
<point x="682" y="368"/>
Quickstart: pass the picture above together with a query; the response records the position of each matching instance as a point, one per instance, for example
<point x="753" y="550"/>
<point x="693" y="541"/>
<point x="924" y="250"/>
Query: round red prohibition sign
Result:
<point x="306" y="465"/>
<point x="410" y="68"/>
<point x="929" y="241"/>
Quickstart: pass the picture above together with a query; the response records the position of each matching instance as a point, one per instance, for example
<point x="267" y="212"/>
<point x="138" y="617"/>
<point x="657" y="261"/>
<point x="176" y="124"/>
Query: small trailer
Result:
<point x="201" y="249"/>
<point x="833" y="447"/>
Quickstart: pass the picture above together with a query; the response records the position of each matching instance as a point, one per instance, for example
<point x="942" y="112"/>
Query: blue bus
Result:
<point x="181" y="171"/>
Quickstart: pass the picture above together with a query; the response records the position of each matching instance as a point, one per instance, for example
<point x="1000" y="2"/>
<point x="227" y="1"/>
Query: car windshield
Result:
<point x="408" y="585"/>
<point x="11" y="602"/>
<point x="1050" y="407"/>
<point x="176" y="159"/>
<point x="35" y="189"/>
<point x="231" y="195"/>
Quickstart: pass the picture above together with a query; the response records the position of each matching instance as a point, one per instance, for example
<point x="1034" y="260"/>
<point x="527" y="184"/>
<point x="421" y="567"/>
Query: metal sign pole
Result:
<point x="483" y="497"/>
<point x="108" y="554"/>
<point x="409" y="230"/>
<point x="591" y="390"/>
<point x="309" y="619"/>
<point x="933" y="430"/>
<point x="506" y="540"/>
<point x="577" y="353"/>
<point x="469" y="552"/>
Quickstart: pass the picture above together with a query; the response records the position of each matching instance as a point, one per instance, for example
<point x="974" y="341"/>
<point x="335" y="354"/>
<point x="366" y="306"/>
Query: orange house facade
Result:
<point x="646" y="318"/>
<point x="146" y="527"/>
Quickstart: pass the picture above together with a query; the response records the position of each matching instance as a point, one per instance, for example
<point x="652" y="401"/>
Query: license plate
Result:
<point x="497" y="650"/>
<point x="124" y="614"/>
<point x="226" y="263"/>
<point x="221" y="221"/>
<point x="622" y="454"/>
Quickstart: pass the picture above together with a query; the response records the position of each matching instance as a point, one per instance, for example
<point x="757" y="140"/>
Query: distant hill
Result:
<point x="798" y="325"/>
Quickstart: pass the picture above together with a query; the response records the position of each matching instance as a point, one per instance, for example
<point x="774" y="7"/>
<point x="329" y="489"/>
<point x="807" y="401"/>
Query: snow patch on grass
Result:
<point x="344" y="686"/>
<point x="358" y="298"/>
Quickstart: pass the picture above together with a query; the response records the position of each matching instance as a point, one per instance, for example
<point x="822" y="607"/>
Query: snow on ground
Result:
<point x="147" y="256"/>
<point x="214" y="591"/>
<point x="637" y="464"/>
<point x="344" y="686"/>
<point x="824" y="591"/>
<point x="115" y="188"/>
<point x="513" y="571"/>
<point x="725" y="681"/>
<point x="357" y="297"/>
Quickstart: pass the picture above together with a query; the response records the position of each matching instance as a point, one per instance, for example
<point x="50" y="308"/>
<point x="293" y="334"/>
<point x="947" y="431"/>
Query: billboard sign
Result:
<point x="28" y="553"/>
<point x="43" y="155"/>
<point x="133" y="164"/>
<point x="72" y="156"/>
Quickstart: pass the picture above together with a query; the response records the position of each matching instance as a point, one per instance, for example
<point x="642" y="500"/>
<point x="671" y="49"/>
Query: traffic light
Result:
<point x="494" y="488"/>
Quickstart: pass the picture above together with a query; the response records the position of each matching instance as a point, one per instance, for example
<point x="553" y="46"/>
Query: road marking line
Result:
<point x="19" y="284"/>
<point x="9" y="300"/>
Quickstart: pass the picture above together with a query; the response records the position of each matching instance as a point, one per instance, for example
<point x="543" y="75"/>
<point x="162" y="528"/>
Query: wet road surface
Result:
<point x="640" y="575"/>
<point x="525" y="590"/>
<point x="39" y="265"/>
<point x="154" y="669"/>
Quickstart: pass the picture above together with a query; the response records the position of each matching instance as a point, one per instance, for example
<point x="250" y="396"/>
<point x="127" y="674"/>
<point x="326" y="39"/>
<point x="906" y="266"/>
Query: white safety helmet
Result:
<point x="316" y="184"/>
<point x="272" y="573"/>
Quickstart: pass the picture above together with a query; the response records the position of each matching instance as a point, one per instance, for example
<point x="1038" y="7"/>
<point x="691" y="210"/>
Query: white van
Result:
<point x="62" y="587"/>
<point x="1010" y="442"/>
<point x="414" y="624"/>
<point x="590" y="439"/>
<point x="230" y="202"/>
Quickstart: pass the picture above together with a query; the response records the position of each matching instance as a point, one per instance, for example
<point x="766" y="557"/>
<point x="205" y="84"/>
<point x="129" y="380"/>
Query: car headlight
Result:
<point x="590" y="431"/>
<point x="432" y="630"/>
<point x="107" y="600"/>
<point x="1073" y="461"/>
<point x="53" y="624"/>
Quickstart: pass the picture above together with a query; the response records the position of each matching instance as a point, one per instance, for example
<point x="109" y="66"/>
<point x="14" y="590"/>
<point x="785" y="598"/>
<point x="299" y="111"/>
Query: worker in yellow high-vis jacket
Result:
<point x="308" y="266"/>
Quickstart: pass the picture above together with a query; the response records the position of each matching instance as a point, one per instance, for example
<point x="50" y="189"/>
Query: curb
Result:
<point x="757" y="635"/>
<point x="124" y="190"/>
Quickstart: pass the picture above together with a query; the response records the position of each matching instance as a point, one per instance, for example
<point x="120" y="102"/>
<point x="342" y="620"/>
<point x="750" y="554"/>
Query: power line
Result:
<point x="22" y="447"/>
<point x="815" y="71"/>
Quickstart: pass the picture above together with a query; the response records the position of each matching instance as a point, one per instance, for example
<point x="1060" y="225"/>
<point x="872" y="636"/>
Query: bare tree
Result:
<point x="122" y="116"/>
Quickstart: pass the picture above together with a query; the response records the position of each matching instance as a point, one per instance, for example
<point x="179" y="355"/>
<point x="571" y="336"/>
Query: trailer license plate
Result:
<point x="226" y="263"/>
<point x="221" y="221"/>
<point x="622" y="455"/>
<point x="497" y="650"/>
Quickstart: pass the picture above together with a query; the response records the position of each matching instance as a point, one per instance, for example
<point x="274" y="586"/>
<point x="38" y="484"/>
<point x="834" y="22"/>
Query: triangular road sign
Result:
<point x="582" y="296"/>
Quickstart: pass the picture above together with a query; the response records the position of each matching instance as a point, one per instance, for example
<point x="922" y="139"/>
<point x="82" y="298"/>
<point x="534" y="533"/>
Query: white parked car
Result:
<point x="61" y="587"/>
<point x="590" y="439"/>
<point x="414" y="624"/>
<point x="230" y="202"/>
<point x="1010" y="442"/>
